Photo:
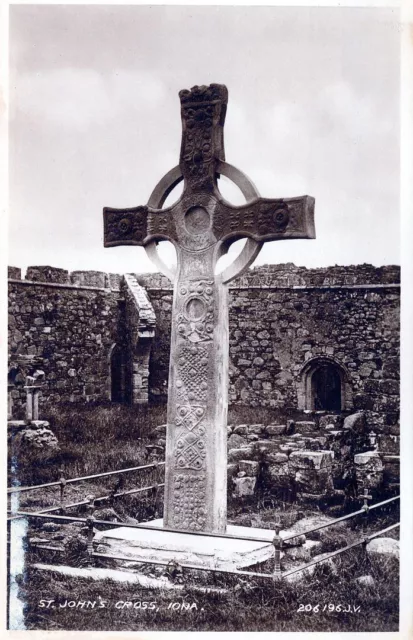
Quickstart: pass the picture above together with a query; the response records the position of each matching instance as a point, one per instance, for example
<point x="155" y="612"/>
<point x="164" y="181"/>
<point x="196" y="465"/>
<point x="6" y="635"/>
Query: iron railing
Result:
<point x="277" y="541"/>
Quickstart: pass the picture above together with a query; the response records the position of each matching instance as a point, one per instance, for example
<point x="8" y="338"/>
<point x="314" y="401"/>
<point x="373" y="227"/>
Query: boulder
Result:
<point x="298" y="553"/>
<point x="241" y="429"/>
<point x="236" y="441"/>
<point x="37" y="443"/>
<point x="383" y="548"/>
<point x="106" y="513"/>
<point x="323" y="560"/>
<point x="244" y="486"/>
<point x="356" y="422"/>
<point x="366" y="581"/>
<point x="297" y="541"/>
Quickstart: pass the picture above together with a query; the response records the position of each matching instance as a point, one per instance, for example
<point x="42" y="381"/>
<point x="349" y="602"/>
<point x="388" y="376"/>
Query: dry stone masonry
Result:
<point x="70" y="330"/>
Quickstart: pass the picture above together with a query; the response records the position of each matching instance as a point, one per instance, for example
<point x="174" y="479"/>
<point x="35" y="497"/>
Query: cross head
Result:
<point x="202" y="225"/>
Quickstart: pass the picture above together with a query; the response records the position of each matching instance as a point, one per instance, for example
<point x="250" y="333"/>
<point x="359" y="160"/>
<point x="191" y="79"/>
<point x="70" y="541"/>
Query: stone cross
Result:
<point x="202" y="225"/>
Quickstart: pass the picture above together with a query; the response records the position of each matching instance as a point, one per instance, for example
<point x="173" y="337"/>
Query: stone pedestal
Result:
<point x="205" y="551"/>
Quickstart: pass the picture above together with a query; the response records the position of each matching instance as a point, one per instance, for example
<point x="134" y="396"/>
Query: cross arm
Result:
<point x="137" y="226"/>
<point x="266" y="219"/>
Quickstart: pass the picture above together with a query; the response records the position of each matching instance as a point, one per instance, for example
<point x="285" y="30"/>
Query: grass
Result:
<point x="93" y="439"/>
<point x="99" y="438"/>
<point x="248" y="605"/>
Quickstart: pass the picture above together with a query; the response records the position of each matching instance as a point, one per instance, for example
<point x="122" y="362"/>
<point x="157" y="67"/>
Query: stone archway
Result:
<point x="324" y="385"/>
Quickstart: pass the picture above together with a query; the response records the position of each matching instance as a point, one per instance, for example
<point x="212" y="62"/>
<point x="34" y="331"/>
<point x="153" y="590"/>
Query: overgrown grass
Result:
<point x="93" y="439"/>
<point x="103" y="438"/>
<point x="249" y="605"/>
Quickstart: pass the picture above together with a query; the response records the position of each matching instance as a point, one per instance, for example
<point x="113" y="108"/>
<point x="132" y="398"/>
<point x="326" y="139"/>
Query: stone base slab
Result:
<point x="185" y="548"/>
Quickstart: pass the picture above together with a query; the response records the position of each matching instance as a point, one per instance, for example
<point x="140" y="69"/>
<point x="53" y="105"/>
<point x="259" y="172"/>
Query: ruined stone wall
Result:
<point x="284" y="318"/>
<point x="65" y="324"/>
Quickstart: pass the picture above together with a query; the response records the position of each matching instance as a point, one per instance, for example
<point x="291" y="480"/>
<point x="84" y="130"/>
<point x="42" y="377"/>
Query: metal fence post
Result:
<point x="156" y="468"/>
<point x="90" y="535"/>
<point x="277" y="542"/>
<point x="62" y="483"/>
<point x="365" y="497"/>
<point x="90" y="507"/>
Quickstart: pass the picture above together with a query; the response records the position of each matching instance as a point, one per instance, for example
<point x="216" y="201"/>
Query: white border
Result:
<point x="406" y="596"/>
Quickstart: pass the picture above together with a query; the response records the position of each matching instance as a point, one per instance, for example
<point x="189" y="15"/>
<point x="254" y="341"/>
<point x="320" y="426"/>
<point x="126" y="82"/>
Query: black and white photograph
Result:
<point x="203" y="421"/>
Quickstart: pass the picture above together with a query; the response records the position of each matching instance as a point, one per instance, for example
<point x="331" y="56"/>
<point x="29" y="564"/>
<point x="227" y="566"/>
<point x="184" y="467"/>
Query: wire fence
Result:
<point x="278" y="541"/>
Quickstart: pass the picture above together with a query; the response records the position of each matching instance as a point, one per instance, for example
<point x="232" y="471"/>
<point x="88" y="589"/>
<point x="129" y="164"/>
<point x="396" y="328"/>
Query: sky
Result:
<point x="95" y="121"/>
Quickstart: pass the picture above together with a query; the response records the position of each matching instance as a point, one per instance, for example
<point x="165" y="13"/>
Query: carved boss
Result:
<point x="202" y="225"/>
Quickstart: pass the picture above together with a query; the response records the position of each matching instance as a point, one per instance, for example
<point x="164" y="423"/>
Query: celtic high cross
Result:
<point x="202" y="225"/>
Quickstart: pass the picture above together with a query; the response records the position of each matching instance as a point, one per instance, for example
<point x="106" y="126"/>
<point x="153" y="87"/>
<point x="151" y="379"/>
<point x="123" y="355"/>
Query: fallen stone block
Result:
<point x="289" y="447"/>
<point x="275" y="429"/>
<point x="305" y="525"/>
<point x="323" y="560"/>
<point x="314" y="444"/>
<point x="311" y="459"/>
<point x="235" y="455"/>
<point x="250" y="467"/>
<point x="276" y="458"/>
<point x="366" y="581"/>
<point x="380" y="549"/>
<point x="267" y="445"/>
<point x="277" y="470"/>
<point x="232" y="469"/>
<point x="257" y="429"/>
<point x="310" y="481"/>
<point x="331" y="421"/>
<point x="305" y="426"/>
<point x="389" y="444"/>
<point x="236" y="441"/>
<point x="298" y="553"/>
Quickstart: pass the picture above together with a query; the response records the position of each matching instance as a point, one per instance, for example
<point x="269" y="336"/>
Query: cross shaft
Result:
<point x="202" y="224"/>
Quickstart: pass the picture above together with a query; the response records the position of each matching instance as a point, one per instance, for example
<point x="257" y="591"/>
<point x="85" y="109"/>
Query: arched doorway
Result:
<point x="119" y="389"/>
<point x="326" y="388"/>
<point x="324" y="385"/>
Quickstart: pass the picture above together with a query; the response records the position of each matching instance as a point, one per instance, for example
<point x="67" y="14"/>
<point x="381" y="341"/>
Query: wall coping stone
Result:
<point x="56" y="285"/>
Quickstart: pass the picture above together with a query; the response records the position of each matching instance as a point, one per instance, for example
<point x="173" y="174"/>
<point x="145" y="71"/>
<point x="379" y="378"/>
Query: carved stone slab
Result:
<point x="202" y="225"/>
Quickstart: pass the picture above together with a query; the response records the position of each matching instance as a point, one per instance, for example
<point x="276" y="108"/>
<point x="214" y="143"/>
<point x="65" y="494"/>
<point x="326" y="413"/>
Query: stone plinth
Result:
<point x="185" y="548"/>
